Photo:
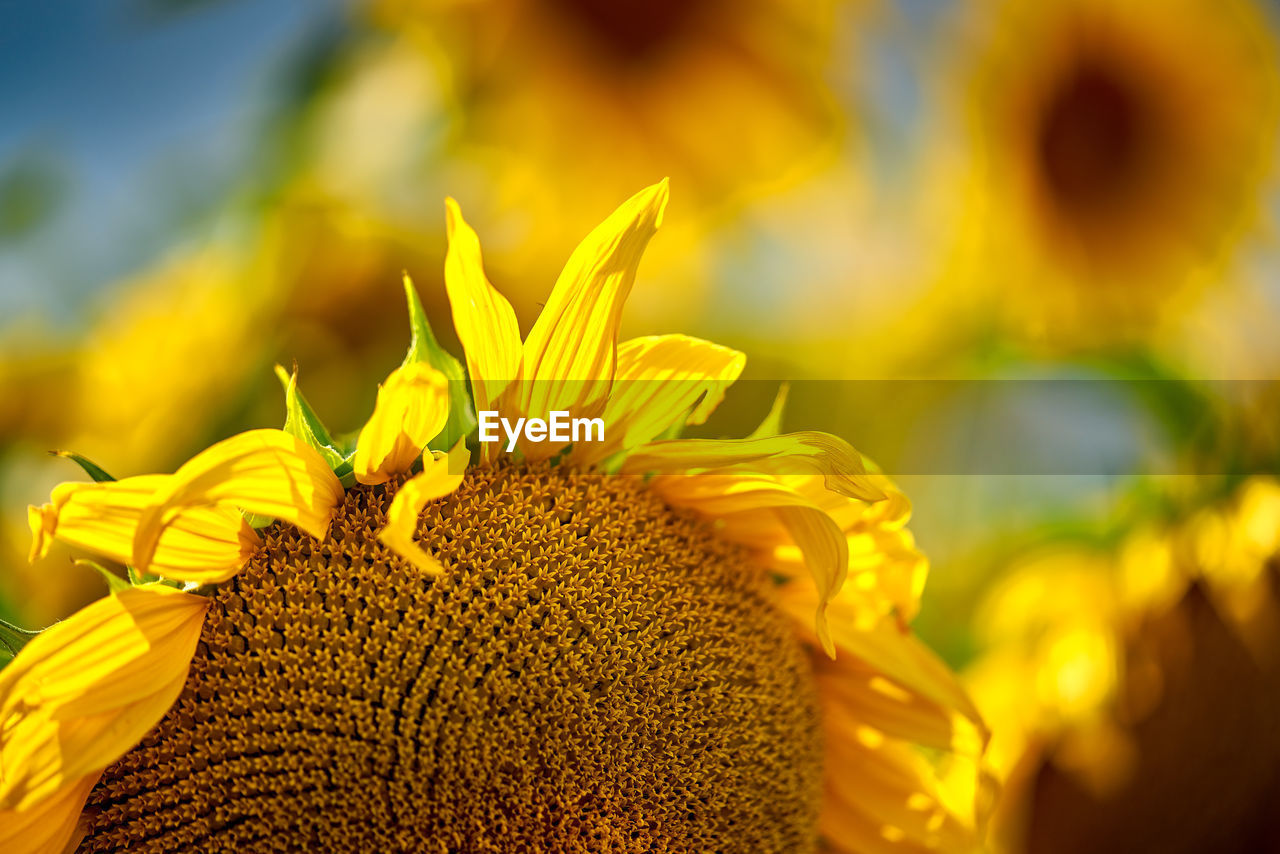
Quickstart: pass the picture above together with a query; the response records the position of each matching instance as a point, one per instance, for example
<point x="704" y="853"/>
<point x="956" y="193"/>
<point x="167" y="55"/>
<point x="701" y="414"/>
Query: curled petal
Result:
<point x="484" y="320"/>
<point x="201" y="544"/>
<point x="85" y="691"/>
<point x="570" y="356"/>
<point x="441" y="475"/>
<point x="412" y="407"/>
<point x="267" y="472"/>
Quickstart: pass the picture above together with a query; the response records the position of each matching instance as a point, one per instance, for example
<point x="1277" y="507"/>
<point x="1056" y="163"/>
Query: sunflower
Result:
<point x="1118" y="154"/>
<point x="1132" y="692"/>
<point x="639" y="643"/>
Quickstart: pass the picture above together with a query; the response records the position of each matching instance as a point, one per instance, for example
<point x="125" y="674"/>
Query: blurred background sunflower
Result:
<point x="1020" y="254"/>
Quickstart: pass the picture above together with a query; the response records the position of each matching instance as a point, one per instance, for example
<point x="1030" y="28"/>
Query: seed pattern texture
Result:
<point x="593" y="671"/>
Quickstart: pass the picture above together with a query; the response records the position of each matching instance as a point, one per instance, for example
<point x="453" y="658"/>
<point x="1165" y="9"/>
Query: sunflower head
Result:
<point x="1120" y="149"/>
<point x="1125" y="687"/>
<point x="425" y="640"/>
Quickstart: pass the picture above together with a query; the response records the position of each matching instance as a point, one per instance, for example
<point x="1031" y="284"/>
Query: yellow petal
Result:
<point x="440" y="476"/>
<point x="659" y="380"/>
<point x="50" y="826"/>
<point x="485" y="322"/>
<point x="85" y="691"/>
<point x="884" y="645"/>
<point x="201" y="544"/>
<point x="571" y="353"/>
<point x="267" y="472"/>
<point x="803" y="453"/>
<point x="883" y="563"/>
<point x="884" y="696"/>
<point x="412" y="407"/>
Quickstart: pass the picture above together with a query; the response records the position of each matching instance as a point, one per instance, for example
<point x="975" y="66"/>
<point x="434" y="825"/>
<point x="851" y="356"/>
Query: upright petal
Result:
<point x="267" y="472"/>
<point x="571" y="353"/>
<point x="412" y="407"/>
<point x="483" y="318"/>
<point x="86" y="690"/>
<point x="662" y="380"/>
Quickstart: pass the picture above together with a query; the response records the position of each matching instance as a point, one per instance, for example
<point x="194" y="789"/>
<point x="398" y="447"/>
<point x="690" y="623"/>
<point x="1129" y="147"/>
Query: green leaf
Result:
<point x="423" y="347"/>
<point x="772" y="424"/>
<point x="115" y="583"/>
<point x="300" y="419"/>
<point x="91" y="468"/>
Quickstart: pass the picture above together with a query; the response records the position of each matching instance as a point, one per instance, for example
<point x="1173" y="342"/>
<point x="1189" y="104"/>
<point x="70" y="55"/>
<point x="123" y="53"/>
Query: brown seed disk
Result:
<point x="592" y="672"/>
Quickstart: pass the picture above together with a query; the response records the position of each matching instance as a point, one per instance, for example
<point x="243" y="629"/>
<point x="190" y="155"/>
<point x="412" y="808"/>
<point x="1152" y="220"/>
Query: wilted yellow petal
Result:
<point x="267" y="472"/>
<point x="441" y="475"/>
<point x="412" y="407"/>
<point x="85" y="691"/>
<point x="48" y="827"/>
<point x="571" y="353"/>
<point x="659" y="380"/>
<point x="201" y="544"/>
<point x="484" y="319"/>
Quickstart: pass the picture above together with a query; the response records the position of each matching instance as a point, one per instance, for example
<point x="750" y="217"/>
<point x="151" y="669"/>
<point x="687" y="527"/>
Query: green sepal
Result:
<point x="12" y="640"/>
<point x="91" y="468"/>
<point x="346" y="472"/>
<point x="423" y="347"/>
<point x="137" y="579"/>
<point x="300" y="420"/>
<point x="257" y="521"/>
<point x="147" y="579"/>
<point x="115" y="584"/>
<point x="772" y="424"/>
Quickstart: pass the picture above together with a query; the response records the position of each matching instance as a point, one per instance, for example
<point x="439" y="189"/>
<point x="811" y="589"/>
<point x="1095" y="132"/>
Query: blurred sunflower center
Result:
<point x="1093" y="137"/>
<point x="592" y="671"/>
<point x="634" y="29"/>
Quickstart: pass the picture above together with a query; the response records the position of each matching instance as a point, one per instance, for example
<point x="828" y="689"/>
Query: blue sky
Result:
<point x="137" y="112"/>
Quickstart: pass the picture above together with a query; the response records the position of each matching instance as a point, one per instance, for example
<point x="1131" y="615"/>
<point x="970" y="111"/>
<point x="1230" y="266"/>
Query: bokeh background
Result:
<point x="1024" y="255"/>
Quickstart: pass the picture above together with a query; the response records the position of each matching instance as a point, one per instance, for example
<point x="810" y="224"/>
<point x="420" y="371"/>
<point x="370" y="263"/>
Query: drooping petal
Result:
<point x="803" y="453"/>
<point x="571" y="353"/>
<point x="658" y="382"/>
<point x="412" y="407"/>
<point x="48" y="827"/>
<point x="883" y="563"/>
<point x="267" y="472"/>
<point x="86" y="690"/>
<point x="441" y="475"/>
<point x="201" y="544"/>
<point x="483" y="318"/>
